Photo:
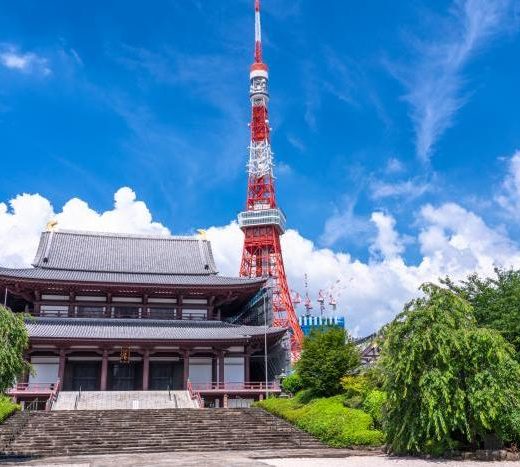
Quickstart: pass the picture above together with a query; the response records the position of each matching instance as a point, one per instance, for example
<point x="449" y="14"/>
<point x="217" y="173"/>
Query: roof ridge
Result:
<point x="94" y="233"/>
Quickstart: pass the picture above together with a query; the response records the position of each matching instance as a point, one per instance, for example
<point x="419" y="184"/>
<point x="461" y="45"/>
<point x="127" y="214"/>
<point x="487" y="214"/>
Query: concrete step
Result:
<point x="133" y="431"/>
<point x="123" y="400"/>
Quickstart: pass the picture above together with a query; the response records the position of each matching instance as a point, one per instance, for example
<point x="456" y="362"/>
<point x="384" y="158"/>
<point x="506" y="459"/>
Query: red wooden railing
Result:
<point x="51" y="390"/>
<point x="241" y="386"/>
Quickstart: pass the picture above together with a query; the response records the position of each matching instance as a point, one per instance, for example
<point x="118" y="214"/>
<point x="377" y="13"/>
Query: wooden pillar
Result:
<point x="221" y="367"/>
<point x="247" y="366"/>
<point x="186" y="374"/>
<point x="72" y="299"/>
<point x="214" y="372"/>
<point x="146" y="369"/>
<point x="179" y="307"/>
<point x="61" y="367"/>
<point x="104" y="371"/>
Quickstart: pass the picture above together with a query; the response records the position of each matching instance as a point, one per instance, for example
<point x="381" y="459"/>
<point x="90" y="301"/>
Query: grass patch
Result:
<point x="328" y="420"/>
<point x="6" y="407"/>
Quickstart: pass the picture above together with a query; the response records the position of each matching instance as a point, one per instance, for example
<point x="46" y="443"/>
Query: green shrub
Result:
<point x="292" y="383"/>
<point x="373" y="404"/>
<point x="327" y="356"/>
<point x="328" y="420"/>
<point x="6" y="407"/>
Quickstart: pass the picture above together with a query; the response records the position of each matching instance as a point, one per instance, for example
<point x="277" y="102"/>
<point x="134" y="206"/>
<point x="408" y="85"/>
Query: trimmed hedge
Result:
<point x="6" y="407"/>
<point x="328" y="420"/>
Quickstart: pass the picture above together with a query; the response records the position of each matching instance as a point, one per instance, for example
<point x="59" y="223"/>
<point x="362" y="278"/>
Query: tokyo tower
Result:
<point x="263" y="221"/>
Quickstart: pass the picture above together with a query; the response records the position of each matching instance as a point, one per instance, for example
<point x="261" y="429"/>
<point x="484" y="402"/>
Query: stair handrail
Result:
<point x="78" y="397"/>
<point x="194" y="395"/>
<point x="54" y="395"/>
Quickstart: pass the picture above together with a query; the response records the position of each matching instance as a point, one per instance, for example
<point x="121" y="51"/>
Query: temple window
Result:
<point x="195" y="301"/>
<point x="126" y="312"/>
<point x="54" y="311"/>
<point x="54" y="297"/>
<point x="161" y="313"/>
<point x="90" y="298"/>
<point x="90" y="311"/>
<point x="200" y="314"/>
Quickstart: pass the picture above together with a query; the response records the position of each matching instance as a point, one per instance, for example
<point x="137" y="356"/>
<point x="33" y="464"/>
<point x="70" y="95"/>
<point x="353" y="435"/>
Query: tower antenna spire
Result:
<point x="262" y="221"/>
<point x="258" y="33"/>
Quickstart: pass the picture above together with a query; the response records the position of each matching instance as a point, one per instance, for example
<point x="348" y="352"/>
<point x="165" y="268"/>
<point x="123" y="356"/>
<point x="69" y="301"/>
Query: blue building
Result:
<point x="308" y="323"/>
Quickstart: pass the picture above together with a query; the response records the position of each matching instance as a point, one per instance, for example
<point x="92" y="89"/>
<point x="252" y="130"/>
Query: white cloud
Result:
<point x="452" y="241"/>
<point x="435" y="80"/>
<point x="27" y="215"/>
<point x="394" y="166"/>
<point x="409" y="188"/>
<point x="387" y="243"/>
<point x="27" y="62"/>
<point x="509" y="196"/>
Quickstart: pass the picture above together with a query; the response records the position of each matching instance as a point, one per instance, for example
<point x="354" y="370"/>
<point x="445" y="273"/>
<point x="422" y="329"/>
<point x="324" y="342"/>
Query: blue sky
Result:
<point x="376" y="107"/>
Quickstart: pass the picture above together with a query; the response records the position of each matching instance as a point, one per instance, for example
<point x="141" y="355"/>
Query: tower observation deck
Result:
<point x="263" y="221"/>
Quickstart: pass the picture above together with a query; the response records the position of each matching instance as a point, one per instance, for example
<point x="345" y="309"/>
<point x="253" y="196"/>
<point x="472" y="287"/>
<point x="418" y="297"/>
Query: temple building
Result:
<point x="131" y="312"/>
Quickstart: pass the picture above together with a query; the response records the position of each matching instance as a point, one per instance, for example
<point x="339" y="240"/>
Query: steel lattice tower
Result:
<point x="263" y="221"/>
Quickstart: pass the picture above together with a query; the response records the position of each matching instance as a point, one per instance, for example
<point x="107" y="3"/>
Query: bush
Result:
<point x="356" y="385"/>
<point x="6" y="407"/>
<point x="374" y="405"/>
<point x="327" y="356"/>
<point x="328" y="420"/>
<point x="292" y="383"/>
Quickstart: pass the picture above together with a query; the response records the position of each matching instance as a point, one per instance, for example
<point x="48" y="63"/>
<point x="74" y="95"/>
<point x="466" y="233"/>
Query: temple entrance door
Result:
<point x="85" y="376"/>
<point x="125" y="376"/>
<point x="164" y="375"/>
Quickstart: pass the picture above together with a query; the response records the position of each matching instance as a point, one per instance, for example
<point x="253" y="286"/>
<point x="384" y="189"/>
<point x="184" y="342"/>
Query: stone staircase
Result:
<point x="60" y="433"/>
<point x="123" y="400"/>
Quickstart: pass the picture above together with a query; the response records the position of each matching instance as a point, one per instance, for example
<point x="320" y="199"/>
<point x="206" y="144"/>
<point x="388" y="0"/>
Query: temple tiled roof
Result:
<point x="91" y="257"/>
<point x="135" y="330"/>
<point x="123" y="253"/>
<point x="127" y="278"/>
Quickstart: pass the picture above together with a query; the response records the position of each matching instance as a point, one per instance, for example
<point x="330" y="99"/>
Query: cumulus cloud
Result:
<point x="451" y="241"/>
<point x="27" y="215"/>
<point x="26" y="62"/>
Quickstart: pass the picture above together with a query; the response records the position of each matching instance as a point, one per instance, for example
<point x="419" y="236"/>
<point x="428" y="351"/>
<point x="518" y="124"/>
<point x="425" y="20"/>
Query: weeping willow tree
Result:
<point x="449" y="383"/>
<point x="14" y="340"/>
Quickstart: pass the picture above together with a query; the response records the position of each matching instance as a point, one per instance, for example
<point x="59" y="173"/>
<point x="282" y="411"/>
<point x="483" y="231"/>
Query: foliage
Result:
<point x="328" y="420"/>
<point x="356" y="385"/>
<point x="327" y="356"/>
<point x="292" y="383"/>
<point x="14" y="340"/>
<point x="374" y="404"/>
<point x="495" y="300"/>
<point x="6" y="407"/>
<point x="448" y="382"/>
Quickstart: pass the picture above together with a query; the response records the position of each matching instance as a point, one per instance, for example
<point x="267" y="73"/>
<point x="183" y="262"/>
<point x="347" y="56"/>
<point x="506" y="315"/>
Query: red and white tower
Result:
<point x="263" y="221"/>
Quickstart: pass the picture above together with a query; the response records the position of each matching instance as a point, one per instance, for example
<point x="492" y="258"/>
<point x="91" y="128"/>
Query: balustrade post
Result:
<point x="104" y="371"/>
<point x="146" y="369"/>
<point x="186" y="373"/>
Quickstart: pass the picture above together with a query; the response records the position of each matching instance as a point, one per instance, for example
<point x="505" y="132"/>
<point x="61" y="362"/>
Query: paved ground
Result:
<point x="326" y="458"/>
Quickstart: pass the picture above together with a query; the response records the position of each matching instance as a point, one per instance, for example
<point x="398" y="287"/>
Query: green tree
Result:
<point x="327" y="356"/>
<point x="496" y="301"/>
<point x="14" y="340"/>
<point x="448" y="382"/>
